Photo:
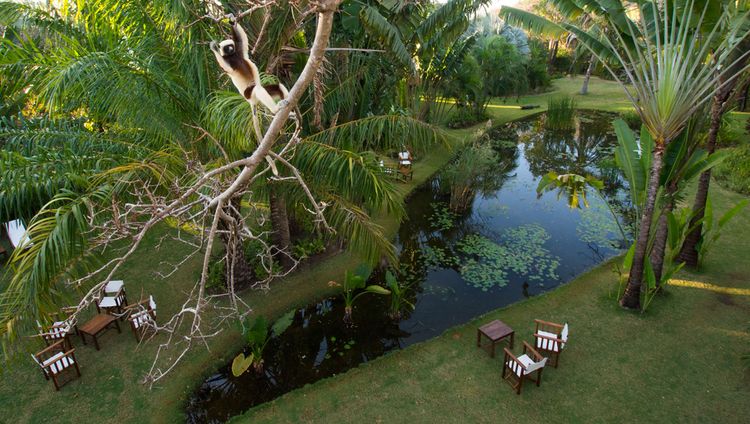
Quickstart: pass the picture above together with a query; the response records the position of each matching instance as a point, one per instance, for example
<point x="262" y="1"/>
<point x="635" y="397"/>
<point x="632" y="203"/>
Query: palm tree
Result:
<point x="719" y="105"/>
<point x="150" y="109"/>
<point x="666" y="76"/>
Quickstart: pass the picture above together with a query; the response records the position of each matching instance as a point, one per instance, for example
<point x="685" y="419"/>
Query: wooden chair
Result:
<point x="54" y="359"/>
<point x="518" y="369"/>
<point x="115" y="302"/>
<point x="60" y="329"/>
<point x="142" y="316"/>
<point x="550" y="339"/>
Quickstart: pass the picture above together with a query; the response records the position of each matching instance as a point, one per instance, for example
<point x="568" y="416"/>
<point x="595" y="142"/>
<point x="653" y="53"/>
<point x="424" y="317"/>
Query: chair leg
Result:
<point x="54" y="381"/>
<point x="520" y="385"/>
<point x="78" y="370"/>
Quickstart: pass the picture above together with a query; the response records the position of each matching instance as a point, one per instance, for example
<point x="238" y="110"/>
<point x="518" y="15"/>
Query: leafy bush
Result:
<point x="466" y="117"/>
<point x="308" y="247"/>
<point x="632" y="119"/>
<point x="734" y="172"/>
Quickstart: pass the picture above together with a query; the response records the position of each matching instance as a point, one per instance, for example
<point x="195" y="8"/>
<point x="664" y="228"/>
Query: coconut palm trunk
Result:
<point x="658" y="251"/>
<point x="631" y="299"/>
<point x="280" y="235"/>
<point x="239" y="273"/>
<point x="587" y="76"/>
<point x="689" y="251"/>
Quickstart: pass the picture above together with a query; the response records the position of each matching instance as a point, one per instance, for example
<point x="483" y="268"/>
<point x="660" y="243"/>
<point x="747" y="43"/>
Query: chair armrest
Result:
<point x="554" y="339"/>
<point x="527" y="348"/>
<point x="552" y="324"/>
<point x="134" y="305"/>
<point x="55" y="345"/>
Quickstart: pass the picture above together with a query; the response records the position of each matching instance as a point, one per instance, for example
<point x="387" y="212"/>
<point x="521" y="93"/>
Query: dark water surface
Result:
<point x="505" y="245"/>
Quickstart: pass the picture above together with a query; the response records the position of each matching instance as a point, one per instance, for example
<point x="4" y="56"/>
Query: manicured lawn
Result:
<point x="441" y="377"/>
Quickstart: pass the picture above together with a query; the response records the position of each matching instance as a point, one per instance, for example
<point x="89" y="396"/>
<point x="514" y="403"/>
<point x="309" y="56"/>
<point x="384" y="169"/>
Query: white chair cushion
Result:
<point x="58" y="362"/>
<point x="114" y="286"/>
<point x="545" y="344"/>
<point x="404" y="162"/>
<point x="17" y="233"/>
<point x="513" y="365"/>
<point x="141" y="318"/>
<point x="535" y="366"/>
<point x="403" y="155"/>
<point x="152" y="303"/>
<point x="564" y="335"/>
<point x="109" y="302"/>
<point x="59" y="330"/>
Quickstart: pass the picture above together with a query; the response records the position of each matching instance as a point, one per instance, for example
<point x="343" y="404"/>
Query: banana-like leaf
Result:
<point x="377" y="290"/>
<point x="281" y="324"/>
<point x="240" y="364"/>
<point x="379" y="27"/>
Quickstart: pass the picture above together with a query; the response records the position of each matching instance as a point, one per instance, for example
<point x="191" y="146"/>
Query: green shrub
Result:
<point x="734" y="172"/>
<point x="466" y="117"/>
<point x="631" y="118"/>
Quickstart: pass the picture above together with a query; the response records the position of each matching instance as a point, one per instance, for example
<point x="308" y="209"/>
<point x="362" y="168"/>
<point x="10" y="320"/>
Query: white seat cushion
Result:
<point x="545" y="344"/>
<point x="114" y="286"/>
<point x="17" y="233"/>
<point x="141" y="318"/>
<point x="513" y="365"/>
<point x="109" y="302"/>
<point x="59" y="330"/>
<point x="404" y="162"/>
<point x="58" y="362"/>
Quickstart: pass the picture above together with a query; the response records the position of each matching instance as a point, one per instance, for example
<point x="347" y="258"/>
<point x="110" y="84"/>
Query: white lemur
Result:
<point x="234" y="59"/>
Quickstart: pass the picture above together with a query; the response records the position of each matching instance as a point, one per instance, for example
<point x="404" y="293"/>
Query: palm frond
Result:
<point x="379" y="27"/>
<point x="382" y="132"/>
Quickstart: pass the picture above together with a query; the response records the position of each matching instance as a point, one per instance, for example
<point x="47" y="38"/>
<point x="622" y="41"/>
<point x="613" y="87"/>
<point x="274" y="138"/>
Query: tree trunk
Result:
<point x="280" y="236"/>
<point x="587" y="77"/>
<point x="660" y="240"/>
<point x="631" y="299"/>
<point x="689" y="251"/>
<point x="553" y="44"/>
<point x="239" y="274"/>
<point x="743" y="98"/>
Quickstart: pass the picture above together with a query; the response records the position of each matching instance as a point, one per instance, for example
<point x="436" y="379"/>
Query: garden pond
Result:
<point x="463" y="253"/>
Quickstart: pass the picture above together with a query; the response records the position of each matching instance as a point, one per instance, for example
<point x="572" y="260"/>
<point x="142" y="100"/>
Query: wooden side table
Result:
<point x="495" y="331"/>
<point x="96" y="326"/>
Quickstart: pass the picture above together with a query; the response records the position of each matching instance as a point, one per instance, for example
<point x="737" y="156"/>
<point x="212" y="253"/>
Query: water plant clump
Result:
<point x="560" y="113"/>
<point x="487" y="263"/>
<point x="442" y="218"/>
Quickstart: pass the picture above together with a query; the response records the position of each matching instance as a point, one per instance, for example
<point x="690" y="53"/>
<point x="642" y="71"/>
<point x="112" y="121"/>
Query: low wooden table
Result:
<point x="97" y="325"/>
<point x="495" y="331"/>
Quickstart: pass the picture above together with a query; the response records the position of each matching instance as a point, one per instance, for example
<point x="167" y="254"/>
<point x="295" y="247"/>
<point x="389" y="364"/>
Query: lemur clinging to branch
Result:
<point x="234" y="59"/>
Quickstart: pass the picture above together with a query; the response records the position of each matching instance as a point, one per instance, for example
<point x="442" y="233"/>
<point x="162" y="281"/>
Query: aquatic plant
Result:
<point x="354" y="281"/>
<point x="442" y="218"/>
<point x="436" y="257"/>
<point x="560" y="113"/>
<point x="257" y="336"/>
<point x="486" y="264"/>
<point x="398" y="295"/>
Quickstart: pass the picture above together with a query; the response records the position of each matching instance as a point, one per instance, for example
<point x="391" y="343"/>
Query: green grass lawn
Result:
<point x="440" y="377"/>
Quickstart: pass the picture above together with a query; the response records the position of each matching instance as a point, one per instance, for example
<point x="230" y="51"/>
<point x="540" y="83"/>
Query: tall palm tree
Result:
<point x="667" y="77"/>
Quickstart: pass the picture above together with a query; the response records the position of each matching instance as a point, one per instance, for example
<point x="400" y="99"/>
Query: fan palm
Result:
<point x="666" y="73"/>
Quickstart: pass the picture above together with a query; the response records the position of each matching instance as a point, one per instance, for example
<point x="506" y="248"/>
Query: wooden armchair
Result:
<point x="142" y="316"/>
<point x="55" y="359"/>
<point x="116" y="302"/>
<point x="518" y="369"/>
<point x="60" y="329"/>
<point x="550" y="339"/>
